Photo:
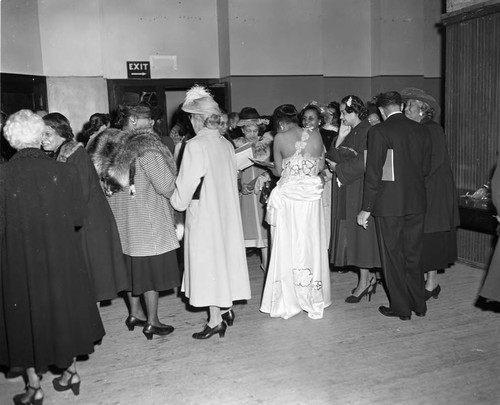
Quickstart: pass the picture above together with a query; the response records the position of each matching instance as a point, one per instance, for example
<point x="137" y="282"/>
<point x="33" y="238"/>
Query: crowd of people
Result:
<point x="349" y="185"/>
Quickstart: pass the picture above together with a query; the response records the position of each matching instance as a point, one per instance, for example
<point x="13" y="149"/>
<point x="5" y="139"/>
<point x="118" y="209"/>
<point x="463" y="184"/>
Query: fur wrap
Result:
<point x="114" y="154"/>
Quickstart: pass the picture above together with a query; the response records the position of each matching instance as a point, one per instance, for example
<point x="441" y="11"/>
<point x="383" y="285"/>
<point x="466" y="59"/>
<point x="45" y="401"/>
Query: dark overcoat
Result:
<point x="99" y="236"/>
<point x="442" y="197"/>
<point x="48" y="313"/>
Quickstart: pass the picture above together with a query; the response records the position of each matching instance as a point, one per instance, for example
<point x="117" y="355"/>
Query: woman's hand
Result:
<point x="362" y="218"/>
<point x="330" y="164"/>
<point x="344" y="130"/>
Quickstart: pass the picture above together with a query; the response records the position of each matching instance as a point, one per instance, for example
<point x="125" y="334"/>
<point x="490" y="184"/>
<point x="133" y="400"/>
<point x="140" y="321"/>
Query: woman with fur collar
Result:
<point x="99" y="235"/>
<point x="138" y="173"/>
<point x="216" y="272"/>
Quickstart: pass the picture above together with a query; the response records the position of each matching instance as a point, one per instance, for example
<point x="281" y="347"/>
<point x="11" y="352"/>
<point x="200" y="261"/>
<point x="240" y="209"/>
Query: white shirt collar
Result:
<point x="395" y="112"/>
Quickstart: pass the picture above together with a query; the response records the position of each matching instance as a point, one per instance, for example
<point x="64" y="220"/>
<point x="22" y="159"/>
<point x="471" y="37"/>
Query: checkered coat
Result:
<point x="142" y="173"/>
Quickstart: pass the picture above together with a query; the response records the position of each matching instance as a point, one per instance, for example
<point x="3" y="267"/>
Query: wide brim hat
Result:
<point x="249" y="116"/>
<point x="412" y="93"/>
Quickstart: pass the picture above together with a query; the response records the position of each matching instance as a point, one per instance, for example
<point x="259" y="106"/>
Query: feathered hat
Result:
<point x="199" y="101"/>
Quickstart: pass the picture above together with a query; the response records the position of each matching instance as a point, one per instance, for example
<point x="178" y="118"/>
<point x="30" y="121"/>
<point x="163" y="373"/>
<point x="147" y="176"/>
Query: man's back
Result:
<point x="411" y="147"/>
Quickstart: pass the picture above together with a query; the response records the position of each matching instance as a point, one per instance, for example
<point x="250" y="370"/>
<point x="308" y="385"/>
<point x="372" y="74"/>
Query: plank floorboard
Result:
<point x="352" y="356"/>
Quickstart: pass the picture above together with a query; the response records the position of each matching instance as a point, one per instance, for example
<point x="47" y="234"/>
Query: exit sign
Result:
<point x="138" y="70"/>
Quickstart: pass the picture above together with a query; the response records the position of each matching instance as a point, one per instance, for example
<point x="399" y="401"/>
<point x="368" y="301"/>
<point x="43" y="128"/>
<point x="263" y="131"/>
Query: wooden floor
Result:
<point x="353" y="355"/>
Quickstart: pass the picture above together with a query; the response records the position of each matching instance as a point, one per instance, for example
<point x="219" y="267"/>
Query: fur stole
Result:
<point x="114" y="154"/>
<point x="66" y="150"/>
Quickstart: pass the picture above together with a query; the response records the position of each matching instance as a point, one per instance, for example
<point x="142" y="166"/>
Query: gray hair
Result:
<point x="24" y="129"/>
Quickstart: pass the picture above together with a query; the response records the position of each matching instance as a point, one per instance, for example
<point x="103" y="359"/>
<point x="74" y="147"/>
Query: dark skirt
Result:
<point x="157" y="273"/>
<point x="439" y="250"/>
<point x="351" y="245"/>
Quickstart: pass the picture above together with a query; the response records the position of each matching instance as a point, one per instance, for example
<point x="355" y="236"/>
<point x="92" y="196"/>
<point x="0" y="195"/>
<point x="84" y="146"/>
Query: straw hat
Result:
<point x="412" y="93"/>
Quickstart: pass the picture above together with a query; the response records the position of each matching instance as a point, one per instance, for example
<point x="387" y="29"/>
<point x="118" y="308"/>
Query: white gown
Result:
<point x="299" y="276"/>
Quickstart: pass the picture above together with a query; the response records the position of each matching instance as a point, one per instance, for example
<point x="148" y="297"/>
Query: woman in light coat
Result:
<point x="216" y="272"/>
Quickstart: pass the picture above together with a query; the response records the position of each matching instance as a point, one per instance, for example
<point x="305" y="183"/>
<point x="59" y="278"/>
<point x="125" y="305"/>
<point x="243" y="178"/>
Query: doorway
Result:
<point x="163" y="95"/>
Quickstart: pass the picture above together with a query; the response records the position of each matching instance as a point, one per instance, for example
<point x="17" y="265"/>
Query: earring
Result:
<point x="420" y="113"/>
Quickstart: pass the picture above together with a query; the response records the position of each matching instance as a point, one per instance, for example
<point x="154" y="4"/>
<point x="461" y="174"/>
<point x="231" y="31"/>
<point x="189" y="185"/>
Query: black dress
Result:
<point x="48" y="313"/>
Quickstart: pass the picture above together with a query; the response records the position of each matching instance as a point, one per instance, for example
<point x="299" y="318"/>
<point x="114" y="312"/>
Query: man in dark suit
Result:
<point x="398" y="205"/>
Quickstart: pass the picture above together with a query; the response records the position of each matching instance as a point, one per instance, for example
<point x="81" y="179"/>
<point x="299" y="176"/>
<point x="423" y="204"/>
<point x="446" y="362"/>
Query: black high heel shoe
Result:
<point x="208" y="332"/>
<point x="369" y="291"/>
<point x="132" y="322"/>
<point x="73" y="386"/>
<point x="434" y="293"/>
<point x="18" y="399"/>
<point x="150" y="330"/>
<point x="228" y="317"/>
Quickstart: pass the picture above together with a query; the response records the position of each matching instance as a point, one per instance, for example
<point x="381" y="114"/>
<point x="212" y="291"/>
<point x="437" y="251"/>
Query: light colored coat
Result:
<point x="216" y="272"/>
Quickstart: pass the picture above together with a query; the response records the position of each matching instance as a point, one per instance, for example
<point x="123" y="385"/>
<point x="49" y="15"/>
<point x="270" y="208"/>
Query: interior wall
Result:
<point x="366" y="48"/>
<point x="265" y="93"/>
<point x="270" y="52"/>
<point x="279" y="37"/>
<point x="401" y="44"/>
<point x="223" y="38"/>
<point x="20" y="38"/>
<point x="97" y="37"/>
<point x="70" y="38"/>
<point x="77" y="98"/>
<point x="135" y="30"/>
<point x="346" y="42"/>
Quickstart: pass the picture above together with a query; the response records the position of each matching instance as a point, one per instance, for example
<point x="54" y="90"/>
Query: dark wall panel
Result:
<point x="472" y="119"/>
<point x="267" y="92"/>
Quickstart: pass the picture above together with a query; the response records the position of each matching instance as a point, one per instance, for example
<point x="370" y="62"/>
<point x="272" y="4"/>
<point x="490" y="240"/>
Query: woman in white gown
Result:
<point x="298" y="277"/>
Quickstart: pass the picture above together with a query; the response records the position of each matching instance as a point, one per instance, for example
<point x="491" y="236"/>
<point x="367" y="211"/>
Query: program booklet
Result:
<point x="388" y="169"/>
<point x="262" y="163"/>
<point x="243" y="155"/>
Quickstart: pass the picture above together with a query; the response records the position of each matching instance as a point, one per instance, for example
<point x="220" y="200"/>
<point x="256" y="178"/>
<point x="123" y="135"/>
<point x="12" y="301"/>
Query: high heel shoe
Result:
<point x="208" y="332"/>
<point x="73" y="386"/>
<point x="372" y="281"/>
<point x="228" y="317"/>
<point x="434" y="293"/>
<point x="369" y="291"/>
<point x="30" y="397"/>
<point x="132" y="322"/>
<point x="150" y="330"/>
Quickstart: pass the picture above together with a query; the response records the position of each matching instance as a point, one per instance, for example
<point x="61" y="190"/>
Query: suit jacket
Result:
<point x="412" y="148"/>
